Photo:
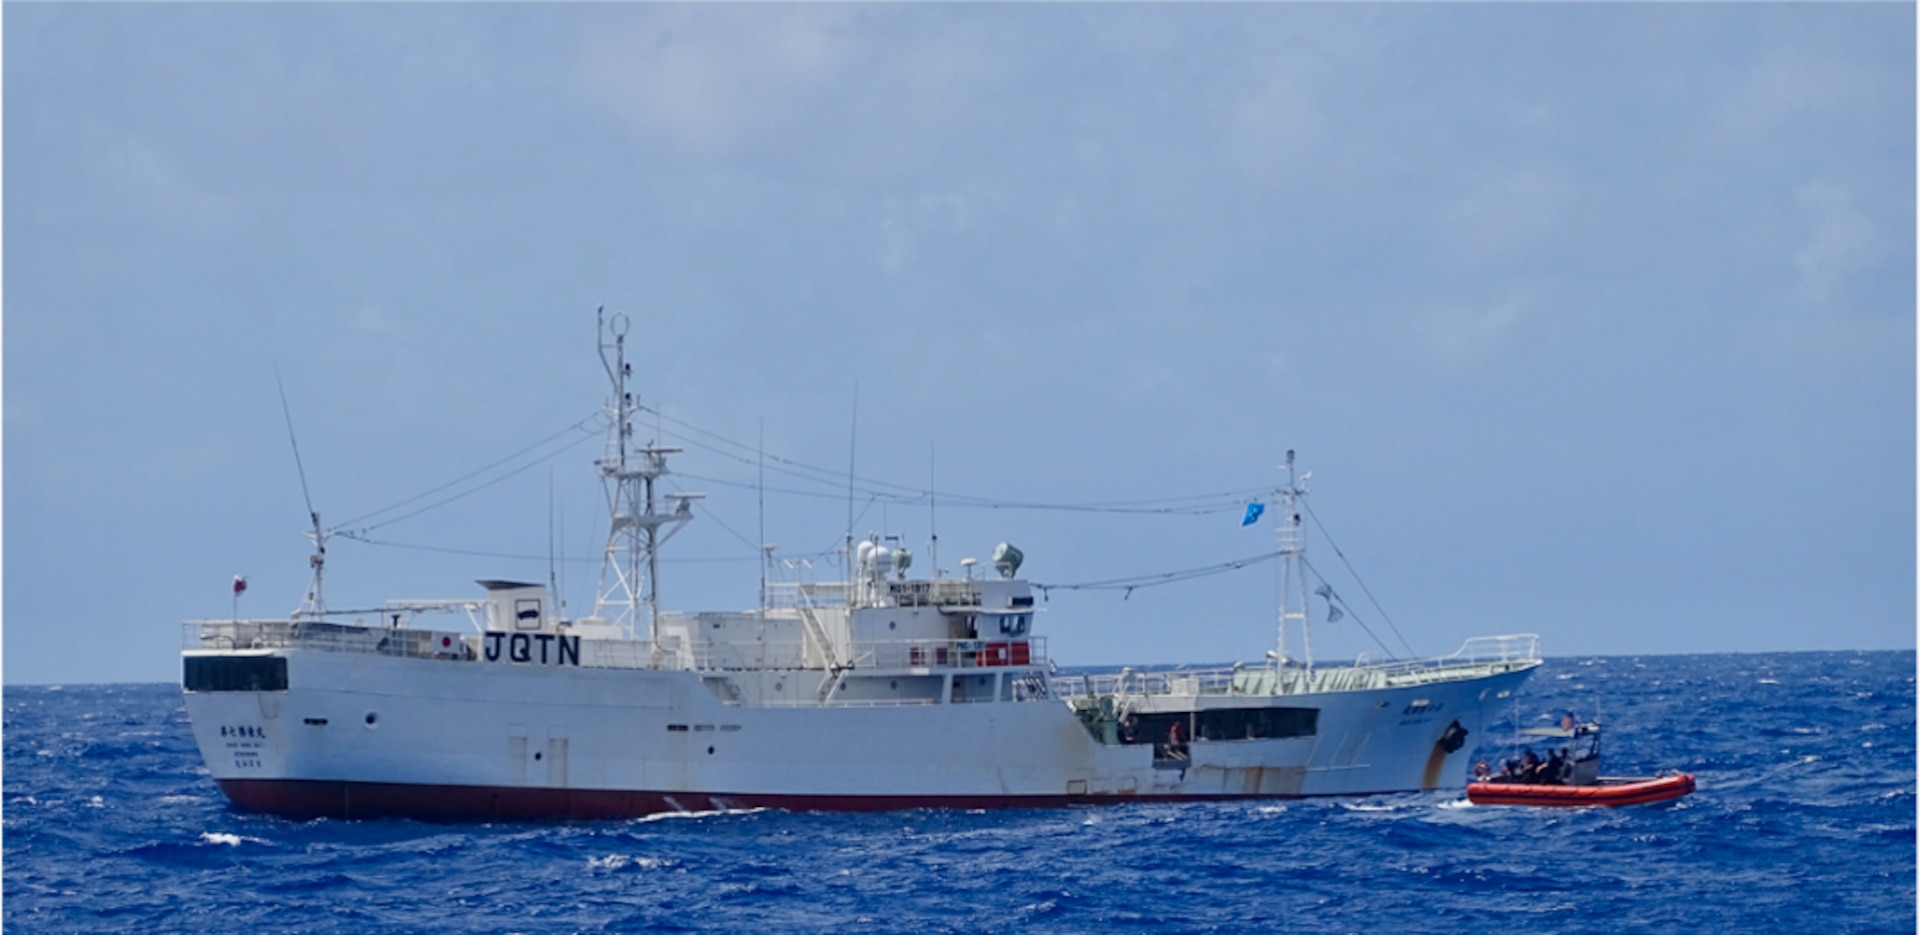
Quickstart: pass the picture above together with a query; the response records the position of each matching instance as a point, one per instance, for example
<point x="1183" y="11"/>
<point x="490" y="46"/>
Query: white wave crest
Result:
<point x="664" y="816"/>
<point x="231" y="840"/>
<point x="622" y="861"/>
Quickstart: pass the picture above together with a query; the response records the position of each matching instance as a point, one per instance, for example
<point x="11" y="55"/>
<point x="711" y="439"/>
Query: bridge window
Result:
<point x="235" y="674"/>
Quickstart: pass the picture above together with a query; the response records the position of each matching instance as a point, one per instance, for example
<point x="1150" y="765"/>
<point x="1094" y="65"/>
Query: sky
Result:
<point x="1591" y="321"/>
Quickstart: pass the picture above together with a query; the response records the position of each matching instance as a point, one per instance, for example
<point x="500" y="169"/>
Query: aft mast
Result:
<point x="634" y="533"/>
<point x="1293" y="573"/>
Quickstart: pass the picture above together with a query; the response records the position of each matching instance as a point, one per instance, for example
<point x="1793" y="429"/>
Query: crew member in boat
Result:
<point x="1530" y="767"/>
<point x="1555" y="770"/>
<point x="1177" y="741"/>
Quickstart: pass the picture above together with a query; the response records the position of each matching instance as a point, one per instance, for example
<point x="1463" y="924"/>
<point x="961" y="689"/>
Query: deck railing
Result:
<point x="919" y="592"/>
<point x="232" y="635"/>
<point x="1477" y="656"/>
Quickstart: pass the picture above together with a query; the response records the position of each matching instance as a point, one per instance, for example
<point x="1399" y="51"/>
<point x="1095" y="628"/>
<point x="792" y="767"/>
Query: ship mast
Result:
<point x="1293" y="576"/>
<point x="315" y="606"/>
<point x="634" y="533"/>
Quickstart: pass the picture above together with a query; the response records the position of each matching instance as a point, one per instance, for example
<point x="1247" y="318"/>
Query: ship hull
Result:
<point x="359" y="736"/>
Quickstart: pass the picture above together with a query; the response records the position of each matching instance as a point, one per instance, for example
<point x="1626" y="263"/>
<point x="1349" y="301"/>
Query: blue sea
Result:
<point x="1803" y="822"/>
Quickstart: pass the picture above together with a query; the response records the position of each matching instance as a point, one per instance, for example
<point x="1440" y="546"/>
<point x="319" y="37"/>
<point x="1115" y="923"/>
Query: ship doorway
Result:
<point x="556" y="757"/>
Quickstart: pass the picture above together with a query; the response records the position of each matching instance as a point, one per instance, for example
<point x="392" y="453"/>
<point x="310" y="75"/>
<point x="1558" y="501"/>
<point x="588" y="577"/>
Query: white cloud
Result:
<point x="184" y="460"/>
<point x="701" y="76"/>
<point x="1508" y="214"/>
<point x="374" y="320"/>
<point x="1791" y="83"/>
<point x="1840" y="241"/>
<point x="152" y="187"/>
<point x="909" y="221"/>
<point x="1467" y="333"/>
<point x="1274" y="123"/>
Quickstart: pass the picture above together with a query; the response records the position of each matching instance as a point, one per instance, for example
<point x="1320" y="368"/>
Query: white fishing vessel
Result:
<point x="879" y="691"/>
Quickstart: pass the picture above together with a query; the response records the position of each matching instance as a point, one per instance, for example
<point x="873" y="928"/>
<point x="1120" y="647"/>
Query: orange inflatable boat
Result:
<point x="1605" y="791"/>
<point x="1571" y="776"/>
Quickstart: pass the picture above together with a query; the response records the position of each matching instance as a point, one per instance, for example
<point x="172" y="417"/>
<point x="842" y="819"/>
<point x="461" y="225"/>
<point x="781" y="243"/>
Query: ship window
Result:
<point x="235" y="674"/>
<point x="1258" y="723"/>
<point x="526" y="613"/>
<point x="1231" y="724"/>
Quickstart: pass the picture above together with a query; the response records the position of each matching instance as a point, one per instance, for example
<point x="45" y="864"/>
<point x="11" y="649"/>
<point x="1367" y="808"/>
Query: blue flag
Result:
<point x="1253" y="513"/>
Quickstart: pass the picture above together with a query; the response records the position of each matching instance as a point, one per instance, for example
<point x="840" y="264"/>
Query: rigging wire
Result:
<point x="717" y="521"/>
<point x="1356" y="577"/>
<point x="1227" y="501"/>
<point x="1147" y="581"/>
<point x="480" y="553"/>
<point x="887" y="491"/>
<point x="1349" y="609"/>
<point x="577" y="426"/>
<point x="301" y="467"/>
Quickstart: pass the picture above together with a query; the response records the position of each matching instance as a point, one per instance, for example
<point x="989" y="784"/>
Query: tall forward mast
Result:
<point x="629" y="476"/>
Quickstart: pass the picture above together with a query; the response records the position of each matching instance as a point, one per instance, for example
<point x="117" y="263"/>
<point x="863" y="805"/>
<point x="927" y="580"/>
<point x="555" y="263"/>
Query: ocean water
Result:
<point x="1804" y="822"/>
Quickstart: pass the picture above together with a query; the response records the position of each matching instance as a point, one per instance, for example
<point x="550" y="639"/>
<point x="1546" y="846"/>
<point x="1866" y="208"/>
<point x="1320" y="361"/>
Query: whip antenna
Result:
<point x="853" y="447"/>
<point x="315" y="605"/>
<point x="287" y="412"/>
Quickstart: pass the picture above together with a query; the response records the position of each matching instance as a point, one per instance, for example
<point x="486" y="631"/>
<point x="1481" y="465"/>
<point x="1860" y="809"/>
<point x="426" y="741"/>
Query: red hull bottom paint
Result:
<point x="308" y="798"/>
<point x="1623" y="793"/>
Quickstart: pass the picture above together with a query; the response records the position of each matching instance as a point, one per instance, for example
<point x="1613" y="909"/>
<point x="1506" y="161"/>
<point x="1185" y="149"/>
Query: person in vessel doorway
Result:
<point x="1177" y="741"/>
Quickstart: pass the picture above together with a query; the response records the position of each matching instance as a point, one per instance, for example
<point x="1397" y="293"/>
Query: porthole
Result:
<point x="373" y="720"/>
<point x="895" y="685"/>
<point x="891" y="625"/>
<point x="709" y="750"/>
<point x="536" y="754"/>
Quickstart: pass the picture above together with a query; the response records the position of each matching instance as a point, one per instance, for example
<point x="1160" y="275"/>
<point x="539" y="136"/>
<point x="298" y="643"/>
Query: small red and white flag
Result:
<point x="239" y="585"/>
